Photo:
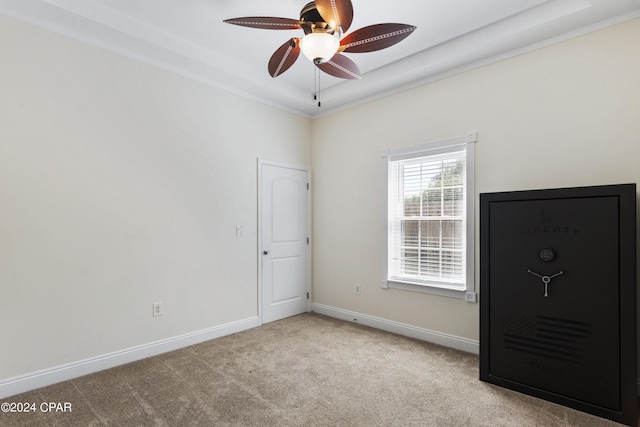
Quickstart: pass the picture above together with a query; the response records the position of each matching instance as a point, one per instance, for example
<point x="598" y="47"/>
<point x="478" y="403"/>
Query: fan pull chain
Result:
<point x="317" y="83"/>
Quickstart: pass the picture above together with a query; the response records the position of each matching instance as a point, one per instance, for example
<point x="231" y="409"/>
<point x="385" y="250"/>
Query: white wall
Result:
<point x="120" y="185"/>
<point x="566" y="115"/>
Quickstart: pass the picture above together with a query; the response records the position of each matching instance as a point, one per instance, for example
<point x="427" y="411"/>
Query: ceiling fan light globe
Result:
<point x="319" y="47"/>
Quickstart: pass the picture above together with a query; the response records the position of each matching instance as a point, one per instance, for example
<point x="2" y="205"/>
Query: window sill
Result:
<point x="426" y="289"/>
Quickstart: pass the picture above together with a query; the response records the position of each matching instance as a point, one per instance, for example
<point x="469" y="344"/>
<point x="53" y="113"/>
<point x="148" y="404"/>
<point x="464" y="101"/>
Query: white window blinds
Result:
<point x="427" y="218"/>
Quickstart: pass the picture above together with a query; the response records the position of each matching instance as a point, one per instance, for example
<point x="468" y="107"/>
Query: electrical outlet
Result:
<point x="238" y="230"/>
<point x="158" y="309"/>
<point x="357" y="288"/>
<point x="470" y="297"/>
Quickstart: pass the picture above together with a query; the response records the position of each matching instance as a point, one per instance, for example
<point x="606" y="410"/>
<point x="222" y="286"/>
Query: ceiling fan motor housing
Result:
<point x="313" y="21"/>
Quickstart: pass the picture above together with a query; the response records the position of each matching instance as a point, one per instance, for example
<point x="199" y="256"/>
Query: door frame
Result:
<point x="265" y="162"/>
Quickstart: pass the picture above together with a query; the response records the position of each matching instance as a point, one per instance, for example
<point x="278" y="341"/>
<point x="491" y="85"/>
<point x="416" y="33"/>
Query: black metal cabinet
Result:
<point x="558" y="296"/>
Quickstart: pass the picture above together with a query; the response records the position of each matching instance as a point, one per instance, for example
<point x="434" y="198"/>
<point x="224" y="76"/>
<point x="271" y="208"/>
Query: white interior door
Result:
<point x="284" y="245"/>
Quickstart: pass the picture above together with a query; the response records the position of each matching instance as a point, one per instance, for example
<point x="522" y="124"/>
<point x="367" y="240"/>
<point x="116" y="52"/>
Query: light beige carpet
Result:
<point x="307" y="370"/>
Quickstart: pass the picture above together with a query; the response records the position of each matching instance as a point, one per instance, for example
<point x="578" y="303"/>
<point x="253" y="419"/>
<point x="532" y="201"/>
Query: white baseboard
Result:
<point x="452" y="341"/>
<point x="32" y="381"/>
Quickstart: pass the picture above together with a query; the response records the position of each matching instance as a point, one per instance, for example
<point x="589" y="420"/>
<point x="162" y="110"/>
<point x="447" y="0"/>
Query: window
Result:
<point x="430" y="217"/>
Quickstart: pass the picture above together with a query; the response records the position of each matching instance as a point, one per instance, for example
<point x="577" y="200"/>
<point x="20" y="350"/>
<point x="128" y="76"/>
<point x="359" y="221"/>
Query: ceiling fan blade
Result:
<point x="266" y="22"/>
<point x="283" y="58"/>
<point x="336" y="13"/>
<point x="375" y="37"/>
<point x="342" y="67"/>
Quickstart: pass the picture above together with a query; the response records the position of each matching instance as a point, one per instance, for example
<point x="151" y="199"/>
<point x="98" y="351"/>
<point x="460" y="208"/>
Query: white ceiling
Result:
<point x="189" y="37"/>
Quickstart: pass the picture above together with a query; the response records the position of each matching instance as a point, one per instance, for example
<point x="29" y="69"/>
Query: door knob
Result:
<point x="266" y="252"/>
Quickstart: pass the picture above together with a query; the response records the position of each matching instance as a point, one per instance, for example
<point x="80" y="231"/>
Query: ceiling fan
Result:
<point x="324" y="22"/>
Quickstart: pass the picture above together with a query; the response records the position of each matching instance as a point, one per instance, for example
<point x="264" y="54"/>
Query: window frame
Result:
<point x="466" y="143"/>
